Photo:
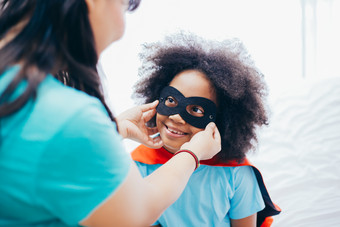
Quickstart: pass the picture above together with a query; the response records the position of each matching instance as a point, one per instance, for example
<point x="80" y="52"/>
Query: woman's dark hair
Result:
<point x="55" y="37"/>
<point x="239" y="85"/>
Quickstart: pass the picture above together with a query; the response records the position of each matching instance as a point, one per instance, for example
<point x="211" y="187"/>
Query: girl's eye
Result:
<point x="170" y="102"/>
<point x="196" y="111"/>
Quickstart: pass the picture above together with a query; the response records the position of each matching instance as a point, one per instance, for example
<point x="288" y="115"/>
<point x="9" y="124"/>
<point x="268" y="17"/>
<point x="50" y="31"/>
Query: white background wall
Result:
<point x="288" y="39"/>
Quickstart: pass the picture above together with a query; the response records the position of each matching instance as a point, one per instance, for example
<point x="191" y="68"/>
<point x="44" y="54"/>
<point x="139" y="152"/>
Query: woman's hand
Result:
<point x="205" y="144"/>
<point x="131" y="124"/>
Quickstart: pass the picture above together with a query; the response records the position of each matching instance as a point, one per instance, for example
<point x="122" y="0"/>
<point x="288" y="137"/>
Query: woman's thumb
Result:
<point x="210" y="127"/>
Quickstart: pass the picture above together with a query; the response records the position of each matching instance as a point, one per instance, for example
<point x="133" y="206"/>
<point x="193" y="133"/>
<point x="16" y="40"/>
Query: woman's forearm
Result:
<point x="140" y="201"/>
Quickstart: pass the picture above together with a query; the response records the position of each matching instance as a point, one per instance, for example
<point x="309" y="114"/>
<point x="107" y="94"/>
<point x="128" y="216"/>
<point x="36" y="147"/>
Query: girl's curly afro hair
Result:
<point x="240" y="88"/>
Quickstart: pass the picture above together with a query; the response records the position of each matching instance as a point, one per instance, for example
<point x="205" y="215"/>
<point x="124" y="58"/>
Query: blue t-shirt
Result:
<point x="60" y="157"/>
<point x="212" y="197"/>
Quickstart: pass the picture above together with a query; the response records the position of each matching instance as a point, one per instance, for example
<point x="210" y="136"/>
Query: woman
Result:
<point x="61" y="159"/>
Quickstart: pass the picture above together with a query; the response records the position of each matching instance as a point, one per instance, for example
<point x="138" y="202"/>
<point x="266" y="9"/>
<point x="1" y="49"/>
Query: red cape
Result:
<point x="151" y="156"/>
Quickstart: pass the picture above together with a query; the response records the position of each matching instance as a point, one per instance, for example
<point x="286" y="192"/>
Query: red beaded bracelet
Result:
<point x="192" y="154"/>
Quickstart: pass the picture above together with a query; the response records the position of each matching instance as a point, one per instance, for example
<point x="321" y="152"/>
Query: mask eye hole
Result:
<point x="195" y="110"/>
<point x="171" y="102"/>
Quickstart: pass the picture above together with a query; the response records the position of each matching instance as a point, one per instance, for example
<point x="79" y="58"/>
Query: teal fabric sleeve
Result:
<point x="247" y="198"/>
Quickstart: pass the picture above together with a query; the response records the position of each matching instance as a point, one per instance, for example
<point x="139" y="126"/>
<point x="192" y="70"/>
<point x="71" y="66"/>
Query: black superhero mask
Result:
<point x="172" y="102"/>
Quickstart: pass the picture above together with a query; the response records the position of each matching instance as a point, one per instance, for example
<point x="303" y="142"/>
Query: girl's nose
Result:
<point x="177" y="118"/>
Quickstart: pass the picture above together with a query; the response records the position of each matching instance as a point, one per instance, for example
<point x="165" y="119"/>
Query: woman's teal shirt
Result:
<point x="60" y="157"/>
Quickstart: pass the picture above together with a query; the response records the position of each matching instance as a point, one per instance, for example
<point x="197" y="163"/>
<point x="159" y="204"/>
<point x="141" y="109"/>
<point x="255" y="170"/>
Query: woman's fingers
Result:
<point x="149" y="110"/>
<point x="152" y="131"/>
<point x="148" y="115"/>
<point x="211" y="128"/>
<point x="205" y="144"/>
<point x="149" y="106"/>
<point x="155" y="142"/>
<point x="217" y="136"/>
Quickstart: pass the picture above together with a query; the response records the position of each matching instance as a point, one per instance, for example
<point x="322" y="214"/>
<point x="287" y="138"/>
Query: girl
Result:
<point x="197" y="82"/>
<point x="61" y="158"/>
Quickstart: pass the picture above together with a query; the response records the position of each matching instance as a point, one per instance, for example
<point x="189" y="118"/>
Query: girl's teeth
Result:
<point x="175" y="132"/>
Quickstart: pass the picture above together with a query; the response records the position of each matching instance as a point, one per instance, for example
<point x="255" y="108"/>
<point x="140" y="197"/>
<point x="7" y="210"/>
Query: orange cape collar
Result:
<point x="151" y="156"/>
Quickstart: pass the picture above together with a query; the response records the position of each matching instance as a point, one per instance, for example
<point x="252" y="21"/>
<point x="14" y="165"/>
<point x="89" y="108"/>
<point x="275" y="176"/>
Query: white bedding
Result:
<point x="299" y="152"/>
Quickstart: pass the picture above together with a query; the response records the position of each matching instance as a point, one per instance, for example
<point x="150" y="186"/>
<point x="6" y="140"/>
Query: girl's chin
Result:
<point x="171" y="149"/>
<point x="172" y="142"/>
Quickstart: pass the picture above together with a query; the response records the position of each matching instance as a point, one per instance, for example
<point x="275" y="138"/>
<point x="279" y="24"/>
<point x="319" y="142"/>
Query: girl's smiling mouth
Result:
<point x="174" y="132"/>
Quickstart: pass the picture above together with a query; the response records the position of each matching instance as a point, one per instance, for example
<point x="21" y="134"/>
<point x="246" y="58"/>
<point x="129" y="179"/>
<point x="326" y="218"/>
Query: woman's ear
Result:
<point x="90" y="4"/>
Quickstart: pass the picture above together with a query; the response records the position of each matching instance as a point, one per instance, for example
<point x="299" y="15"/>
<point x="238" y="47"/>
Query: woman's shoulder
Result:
<point x="56" y="95"/>
<point x="59" y="106"/>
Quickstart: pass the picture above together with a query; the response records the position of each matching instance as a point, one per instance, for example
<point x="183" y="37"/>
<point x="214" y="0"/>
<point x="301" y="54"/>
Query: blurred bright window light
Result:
<point x="287" y="38"/>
